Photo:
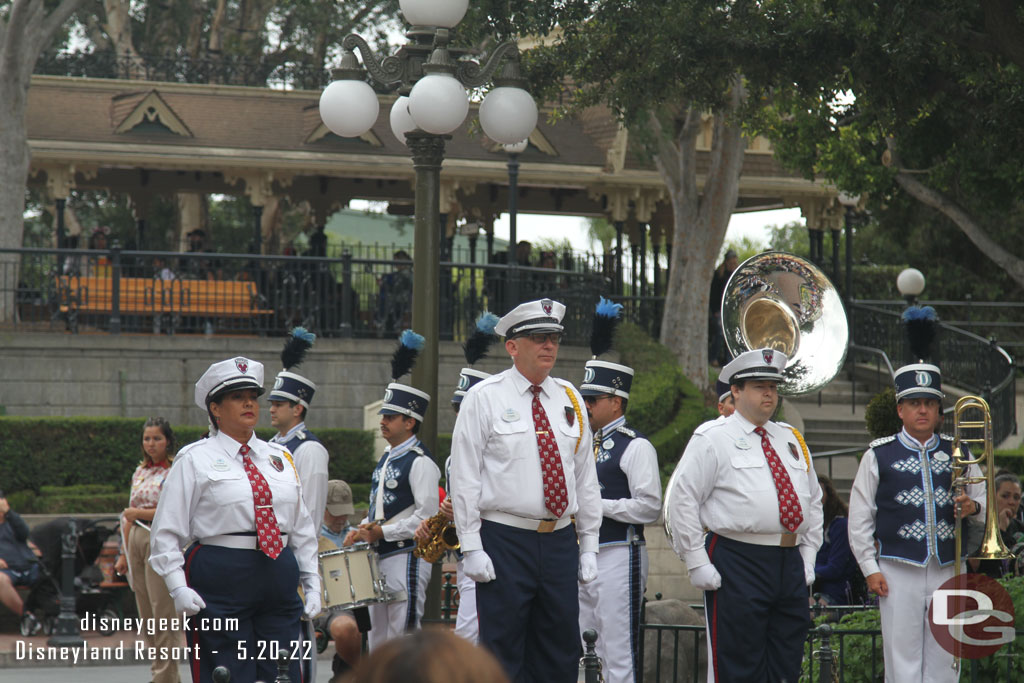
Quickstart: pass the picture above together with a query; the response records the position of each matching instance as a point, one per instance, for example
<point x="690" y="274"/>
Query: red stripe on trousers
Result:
<point x="714" y="618"/>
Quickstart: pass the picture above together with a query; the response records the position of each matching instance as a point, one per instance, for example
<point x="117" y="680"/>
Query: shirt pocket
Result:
<point x="751" y="473"/>
<point x="229" y="487"/>
<point x="511" y="439"/>
<point x="797" y="470"/>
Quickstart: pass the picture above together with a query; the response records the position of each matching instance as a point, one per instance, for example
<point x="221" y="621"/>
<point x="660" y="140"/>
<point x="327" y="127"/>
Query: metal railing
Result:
<point x="977" y="365"/>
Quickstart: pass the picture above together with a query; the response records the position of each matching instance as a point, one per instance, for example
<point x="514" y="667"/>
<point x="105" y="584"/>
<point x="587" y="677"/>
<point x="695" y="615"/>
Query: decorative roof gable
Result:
<point x="147" y="111"/>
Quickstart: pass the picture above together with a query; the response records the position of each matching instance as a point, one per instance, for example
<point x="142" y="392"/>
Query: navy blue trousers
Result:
<point x="261" y="594"/>
<point x="759" y="618"/>
<point x="529" y="614"/>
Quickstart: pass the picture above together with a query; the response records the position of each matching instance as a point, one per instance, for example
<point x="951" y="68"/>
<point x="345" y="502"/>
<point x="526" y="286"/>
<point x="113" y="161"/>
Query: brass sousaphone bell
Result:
<point x="780" y="301"/>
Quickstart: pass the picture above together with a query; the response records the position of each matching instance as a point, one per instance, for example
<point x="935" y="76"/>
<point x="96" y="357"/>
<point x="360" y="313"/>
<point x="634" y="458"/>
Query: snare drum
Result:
<point x="351" y="577"/>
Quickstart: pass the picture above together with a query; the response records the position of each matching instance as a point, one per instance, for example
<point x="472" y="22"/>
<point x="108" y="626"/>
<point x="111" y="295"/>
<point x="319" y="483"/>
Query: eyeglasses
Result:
<point x="539" y="339"/>
<point x="594" y="399"/>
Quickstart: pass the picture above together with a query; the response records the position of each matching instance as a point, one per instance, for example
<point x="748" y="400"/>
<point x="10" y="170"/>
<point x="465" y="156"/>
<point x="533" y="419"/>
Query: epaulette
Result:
<point x="186" y="448"/>
<point x="947" y="437"/>
<point x="417" y="449"/>
<point x="785" y="424"/>
<point x="623" y="429"/>
<point x="301" y="434"/>
<point x="706" y="426"/>
<point x="883" y="440"/>
<point x="278" y="446"/>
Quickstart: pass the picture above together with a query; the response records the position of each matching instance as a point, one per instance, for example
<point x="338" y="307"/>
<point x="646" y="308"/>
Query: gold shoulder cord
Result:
<point x="296" y="471"/>
<point x="579" y="416"/>
<point x="803" y="446"/>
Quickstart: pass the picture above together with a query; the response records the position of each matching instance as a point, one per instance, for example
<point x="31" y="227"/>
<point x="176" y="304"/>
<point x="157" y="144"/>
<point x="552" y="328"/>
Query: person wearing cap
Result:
<point x="340" y="625"/>
<point x="901" y="525"/>
<point x="234" y="503"/>
<point x="289" y="403"/>
<point x="522" y="466"/>
<point x="627" y="468"/>
<point x="403" y="493"/>
<point x="726" y="403"/>
<point x="750" y="482"/>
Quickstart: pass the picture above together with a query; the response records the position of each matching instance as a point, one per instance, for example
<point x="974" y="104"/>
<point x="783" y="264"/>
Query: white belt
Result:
<point x="237" y="542"/>
<point x="785" y="540"/>
<point x="542" y="526"/>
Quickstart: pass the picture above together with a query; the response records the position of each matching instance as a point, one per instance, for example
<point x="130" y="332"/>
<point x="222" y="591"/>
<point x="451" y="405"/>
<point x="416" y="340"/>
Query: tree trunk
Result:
<point x="25" y="29"/>
<point x="699" y="226"/>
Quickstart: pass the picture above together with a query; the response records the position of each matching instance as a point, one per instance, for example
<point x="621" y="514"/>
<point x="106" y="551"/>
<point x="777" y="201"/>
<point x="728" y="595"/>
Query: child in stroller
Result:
<point x="42" y="604"/>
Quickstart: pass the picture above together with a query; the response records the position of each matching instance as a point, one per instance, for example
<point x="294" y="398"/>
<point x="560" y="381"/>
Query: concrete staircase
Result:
<point x="834" y="426"/>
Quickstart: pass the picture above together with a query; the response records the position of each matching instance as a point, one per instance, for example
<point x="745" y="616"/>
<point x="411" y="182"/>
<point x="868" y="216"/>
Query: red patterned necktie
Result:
<point x="267" y="531"/>
<point x="790" y="513"/>
<point x="556" y="497"/>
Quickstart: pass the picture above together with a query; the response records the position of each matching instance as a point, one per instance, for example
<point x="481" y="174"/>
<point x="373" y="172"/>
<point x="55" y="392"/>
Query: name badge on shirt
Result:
<point x="391" y="483"/>
<point x="220" y="464"/>
<point x="510" y="415"/>
<point x="742" y="444"/>
<point x="941" y="457"/>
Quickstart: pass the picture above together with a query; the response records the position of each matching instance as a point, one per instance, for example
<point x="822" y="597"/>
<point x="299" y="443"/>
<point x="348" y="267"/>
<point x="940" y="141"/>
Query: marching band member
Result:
<point x="522" y="465"/>
<point x="902" y="501"/>
<point x="235" y="501"/>
<point x="341" y="626"/>
<point x="403" y="493"/>
<point x="289" y="405"/>
<point x="726" y="403"/>
<point x="748" y="480"/>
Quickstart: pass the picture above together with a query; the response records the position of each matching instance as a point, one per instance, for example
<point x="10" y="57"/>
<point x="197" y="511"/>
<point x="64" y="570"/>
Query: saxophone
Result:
<point x="442" y="538"/>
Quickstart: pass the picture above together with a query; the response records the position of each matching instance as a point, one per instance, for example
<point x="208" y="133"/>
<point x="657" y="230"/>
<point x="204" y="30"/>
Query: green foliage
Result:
<point x="857" y="649"/>
<point x="70" y="500"/>
<point x="106" y="451"/>
<point x="791" y="237"/>
<point x="745" y="247"/>
<point x="880" y="415"/>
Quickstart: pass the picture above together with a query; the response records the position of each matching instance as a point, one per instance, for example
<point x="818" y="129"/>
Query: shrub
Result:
<point x="880" y="415"/>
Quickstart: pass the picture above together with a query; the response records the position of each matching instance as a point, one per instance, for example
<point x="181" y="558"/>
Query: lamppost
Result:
<point x="850" y="202"/>
<point x="910" y="282"/>
<point x="431" y="79"/>
<point x="512" y="287"/>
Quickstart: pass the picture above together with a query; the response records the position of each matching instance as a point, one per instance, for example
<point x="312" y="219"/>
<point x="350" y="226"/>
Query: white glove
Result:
<point x="186" y="601"/>
<point x="311" y="590"/>
<point x="809" y="573"/>
<point x="706" y="577"/>
<point x="588" y="567"/>
<point x="478" y="566"/>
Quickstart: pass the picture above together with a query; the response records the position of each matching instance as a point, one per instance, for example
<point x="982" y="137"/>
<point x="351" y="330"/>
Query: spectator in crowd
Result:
<point x="18" y="564"/>
<point x="100" y="265"/>
<point x="545" y="284"/>
<point x="162" y="271"/>
<point x="197" y="268"/>
<point x="716" y="350"/>
<point x="317" y="242"/>
<point x="523" y="251"/>
<point x="72" y="264"/>
<point x="151" y="596"/>
<point x="394" y="299"/>
<point x="429" y="656"/>
<point x="835" y="571"/>
<point x="340" y="625"/>
<point x="1008" y="494"/>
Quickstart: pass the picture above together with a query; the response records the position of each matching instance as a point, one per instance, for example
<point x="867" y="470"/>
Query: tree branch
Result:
<point x="667" y="155"/>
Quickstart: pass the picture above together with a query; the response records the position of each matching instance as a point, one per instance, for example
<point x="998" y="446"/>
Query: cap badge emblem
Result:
<point x="768" y="355"/>
<point x="387" y="396"/>
<point x="546" y="305"/>
<point x="589" y="375"/>
<point x="242" y="365"/>
<point x="463" y="382"/>
<point x="923" y="379"/>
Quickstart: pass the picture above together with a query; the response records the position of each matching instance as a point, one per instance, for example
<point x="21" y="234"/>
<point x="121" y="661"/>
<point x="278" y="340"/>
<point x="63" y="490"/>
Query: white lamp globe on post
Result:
<point x="516" y="147"/>
<point x="349" y="106"/>
<point x="910" y="282"/>
<point x="441" y="13"/>
<point x="401" y="120"/>
<point x="438" y="103"/>
<point x="508" y="115"/>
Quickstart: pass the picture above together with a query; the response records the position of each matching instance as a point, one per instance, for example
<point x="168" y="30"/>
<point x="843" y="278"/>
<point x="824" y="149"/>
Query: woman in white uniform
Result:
<point x="234" y="503"/>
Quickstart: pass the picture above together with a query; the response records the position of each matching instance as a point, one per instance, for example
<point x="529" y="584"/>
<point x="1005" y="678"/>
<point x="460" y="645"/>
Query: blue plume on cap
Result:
<point x="480" y="341"/>
<point x="409" y="345"/>
<point x="299" y="341"/>
<point x="606" y="318"/>
<point x="922" y="325"/>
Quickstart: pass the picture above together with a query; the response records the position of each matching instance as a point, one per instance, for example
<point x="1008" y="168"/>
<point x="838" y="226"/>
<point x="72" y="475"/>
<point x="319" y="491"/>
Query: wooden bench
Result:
<point x="90" y="294"/>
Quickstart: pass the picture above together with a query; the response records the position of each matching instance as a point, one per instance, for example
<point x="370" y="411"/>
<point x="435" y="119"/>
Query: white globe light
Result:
<point x="516" y="148"/>
<point x="438" y="104"/>
<point x="508" y="115"/>
<point x="910" y="282"/>
<point x="443" y="13"/>
<point x="401" y="120"/>
<point x="349" y="108"/>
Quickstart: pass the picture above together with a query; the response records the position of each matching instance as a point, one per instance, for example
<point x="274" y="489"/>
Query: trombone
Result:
<point x="992" y="547"/>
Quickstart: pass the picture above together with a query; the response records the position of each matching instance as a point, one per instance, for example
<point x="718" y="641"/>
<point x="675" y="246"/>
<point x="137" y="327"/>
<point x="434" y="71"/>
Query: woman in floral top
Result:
<point x="151" y="596"/>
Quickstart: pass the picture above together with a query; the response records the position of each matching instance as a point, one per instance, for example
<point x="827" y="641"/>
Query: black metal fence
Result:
<point x="118" y="291"/>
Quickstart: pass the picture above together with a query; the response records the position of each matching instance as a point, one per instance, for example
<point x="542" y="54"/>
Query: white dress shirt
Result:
<point x="639" y="463"/>
<point x="495" y="464"/>
<point x="423" y="480"/>
<point x="311" y="462"/>
<point x="725" y="484"/>
<point x="863" y="507"/>
<point x="207" y="493"/>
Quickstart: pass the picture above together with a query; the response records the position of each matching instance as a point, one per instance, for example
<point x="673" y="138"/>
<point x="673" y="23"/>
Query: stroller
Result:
<point x="42" y="605"/>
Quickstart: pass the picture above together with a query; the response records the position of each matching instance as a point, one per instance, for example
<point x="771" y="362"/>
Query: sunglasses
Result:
<point x="594" y="399"/>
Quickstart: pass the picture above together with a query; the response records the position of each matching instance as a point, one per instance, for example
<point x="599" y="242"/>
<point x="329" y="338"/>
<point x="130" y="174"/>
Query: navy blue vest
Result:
<point x="615" y="485"/>
<point x="300" y="437"/>
<point x="397" y="493"/>
<point x="915" y="518"/>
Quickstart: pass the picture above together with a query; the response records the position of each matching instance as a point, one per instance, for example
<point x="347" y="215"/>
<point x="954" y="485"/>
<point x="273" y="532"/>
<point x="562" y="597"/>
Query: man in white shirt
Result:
<point x="902" y="502"/>
<point x="627" y="469"/>
<point x="750" y="483"/>
<point x="522" y="465"/>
